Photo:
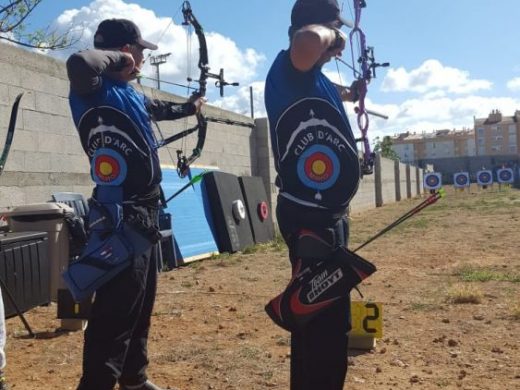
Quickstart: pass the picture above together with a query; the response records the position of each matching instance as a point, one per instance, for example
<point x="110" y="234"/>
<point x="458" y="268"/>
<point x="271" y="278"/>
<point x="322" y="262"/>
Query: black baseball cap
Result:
<point x="306" y="12"/>
<point x="114" y="33"/>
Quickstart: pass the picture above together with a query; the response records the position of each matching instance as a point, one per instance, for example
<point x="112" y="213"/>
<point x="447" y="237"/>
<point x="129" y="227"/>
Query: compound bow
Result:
<point x="183" y="161"/>
<point x="364" y="71"/>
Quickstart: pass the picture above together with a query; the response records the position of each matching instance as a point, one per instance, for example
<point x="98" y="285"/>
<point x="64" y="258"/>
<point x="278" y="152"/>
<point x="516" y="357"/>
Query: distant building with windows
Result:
<point x="413" y="147"/>
<point x="493" y="143"/>
<point x="497" y="134"/>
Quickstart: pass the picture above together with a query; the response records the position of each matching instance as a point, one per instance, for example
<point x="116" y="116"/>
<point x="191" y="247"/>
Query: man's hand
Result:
<point x="129" y="69"/>
<point x="125" y="70"/>
<point x="339" y="41"/>
<point x="198" y="102"/>
<point x="349" y="94"/>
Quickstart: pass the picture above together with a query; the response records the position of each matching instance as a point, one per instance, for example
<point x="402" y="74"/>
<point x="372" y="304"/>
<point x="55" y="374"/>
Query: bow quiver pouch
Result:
<point x="318" y="284"/>
<point x="112" y="245"/>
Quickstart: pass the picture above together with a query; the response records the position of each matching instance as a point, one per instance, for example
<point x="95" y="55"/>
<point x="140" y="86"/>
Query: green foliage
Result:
<point x="474" y="274"/>
<point x="384" y="147"/>
<point x="462" y="294"/>
<point x="14" y="23"/>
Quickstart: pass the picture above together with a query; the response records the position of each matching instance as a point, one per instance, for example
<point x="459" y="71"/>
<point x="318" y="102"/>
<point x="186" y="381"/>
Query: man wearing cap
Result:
<point x="318" y="174"/>
<point x="114" y="124"/>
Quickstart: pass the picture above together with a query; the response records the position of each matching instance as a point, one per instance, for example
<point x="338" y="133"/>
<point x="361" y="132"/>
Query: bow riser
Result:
<point x="364" y="72"/>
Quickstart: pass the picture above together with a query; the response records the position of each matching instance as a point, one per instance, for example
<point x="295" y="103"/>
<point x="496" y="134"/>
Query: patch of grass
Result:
<point x="476" y="274"/>
<point x="443" y="382"/>
<point x="515" y="312"/>
<point x="250" y="250"/>
<point x="278" y="244"/>
<point x="267" y="375"/>
<point x="283" y="341"/>
<point x="461" y="294"/>
<point x="418" y="223"/>
<point x="220" y="256"/>
<point x="249" y="352"/>
<point x="186" y="284"/>
<point x="420" y="306"/>
<point x="195" y="265"/>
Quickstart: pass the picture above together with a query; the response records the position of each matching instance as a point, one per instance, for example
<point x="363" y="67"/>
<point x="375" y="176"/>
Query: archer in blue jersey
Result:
<point x="114" y="124"/>
<point x="318" y="169"/>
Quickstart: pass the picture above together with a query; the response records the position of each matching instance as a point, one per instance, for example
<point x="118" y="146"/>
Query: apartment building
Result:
<point x="412" y="147"/>
<point x="497" y="134"/>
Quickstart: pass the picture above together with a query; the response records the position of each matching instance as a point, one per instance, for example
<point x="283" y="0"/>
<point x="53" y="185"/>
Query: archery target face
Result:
<point x="505" y="175"/>
<point x="318" y="167"/>
<point x="108" y="167"/>
<point x="432" y="181"/>
<point x="485" y="177"/>
<point x="461" y="179"/>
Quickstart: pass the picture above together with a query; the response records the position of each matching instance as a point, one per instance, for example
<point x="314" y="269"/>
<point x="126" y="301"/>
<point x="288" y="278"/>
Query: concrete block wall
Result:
<point x="419" y="174"/>
<point x="365" y="198"/>
<point x="265" y="163"/>
<point x="400" y="180"/>
<point x="46" y="155"/>
<point x="387" y="181"/>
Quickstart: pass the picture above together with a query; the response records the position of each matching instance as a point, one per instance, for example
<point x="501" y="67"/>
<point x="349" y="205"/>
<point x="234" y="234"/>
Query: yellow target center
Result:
<point x="319" y="167"/>
<point x="105" y="169"/>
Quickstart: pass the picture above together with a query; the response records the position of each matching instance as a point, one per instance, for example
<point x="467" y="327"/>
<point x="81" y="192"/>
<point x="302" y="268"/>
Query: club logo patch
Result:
<point x="318" y="162"/>
<point x="108" y="167"/>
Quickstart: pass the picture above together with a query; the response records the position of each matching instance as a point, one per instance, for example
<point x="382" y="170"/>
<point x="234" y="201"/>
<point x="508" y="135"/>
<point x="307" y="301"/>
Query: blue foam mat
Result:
<point x="191" y="216"/>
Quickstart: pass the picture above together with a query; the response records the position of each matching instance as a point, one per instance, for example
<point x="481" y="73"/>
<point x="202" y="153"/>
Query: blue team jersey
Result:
<point x="115" y="130"/>
<point x="314" y="148"/>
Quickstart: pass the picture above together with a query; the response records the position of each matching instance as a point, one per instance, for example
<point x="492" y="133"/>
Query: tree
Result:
<point x="13" y="27"/>
<point x="384" y="147"/>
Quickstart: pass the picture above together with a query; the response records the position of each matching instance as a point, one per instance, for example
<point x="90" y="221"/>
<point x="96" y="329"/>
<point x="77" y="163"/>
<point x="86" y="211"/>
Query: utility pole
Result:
<point x="251" y="102"/>
<point x="158" y="61"/>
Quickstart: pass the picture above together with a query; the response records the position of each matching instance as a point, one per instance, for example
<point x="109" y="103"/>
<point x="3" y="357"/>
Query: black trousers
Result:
<point x="116" y="337"/>
<point x="319" y="352"/>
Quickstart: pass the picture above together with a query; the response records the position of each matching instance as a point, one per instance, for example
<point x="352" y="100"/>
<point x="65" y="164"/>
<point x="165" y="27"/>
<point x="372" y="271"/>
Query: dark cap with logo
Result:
<point x="115" y="33"/>
<point x="306" y="12"/>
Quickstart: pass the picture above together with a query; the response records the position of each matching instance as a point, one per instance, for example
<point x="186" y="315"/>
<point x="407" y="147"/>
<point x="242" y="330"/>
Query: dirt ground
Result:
<point x="449" y="281"/>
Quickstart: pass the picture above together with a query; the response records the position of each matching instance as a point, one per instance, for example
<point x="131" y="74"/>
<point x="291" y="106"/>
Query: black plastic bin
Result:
<point x="24" y="268"/>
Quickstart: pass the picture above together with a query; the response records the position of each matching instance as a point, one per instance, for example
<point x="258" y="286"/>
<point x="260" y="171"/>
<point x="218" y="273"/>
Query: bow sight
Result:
<point x="220" y="83"/>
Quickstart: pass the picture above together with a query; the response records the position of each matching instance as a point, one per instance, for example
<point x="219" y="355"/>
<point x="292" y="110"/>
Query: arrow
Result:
<point x="193" y="181"/>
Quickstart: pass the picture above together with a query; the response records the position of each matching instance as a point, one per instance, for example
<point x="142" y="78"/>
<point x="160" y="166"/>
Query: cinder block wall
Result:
<point x="388" y="181"/>
<point x="46" y="155"/>
<point x="401" y="181"/>
<point x="265" y="163"/>
<point x="365" y="197"/>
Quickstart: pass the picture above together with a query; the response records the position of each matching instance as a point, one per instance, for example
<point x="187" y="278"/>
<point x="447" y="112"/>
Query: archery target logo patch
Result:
<point x="318" y="167"/>
<point x="316" y="155"/>
<point x="108" y="167"/>
<point x="505" y="175"/>
<point x="461" y="179"/>
<point x="432" y="181"/>
<point x="485" y="177"/>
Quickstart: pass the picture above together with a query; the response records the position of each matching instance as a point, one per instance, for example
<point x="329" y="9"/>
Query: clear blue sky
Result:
<point x="450" y="59"/>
